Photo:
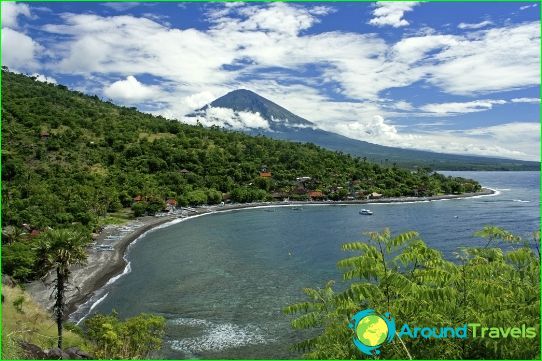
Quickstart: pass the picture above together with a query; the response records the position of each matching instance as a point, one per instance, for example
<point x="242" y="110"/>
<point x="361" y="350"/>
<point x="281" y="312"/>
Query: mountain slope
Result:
<point x="285" y="125"/>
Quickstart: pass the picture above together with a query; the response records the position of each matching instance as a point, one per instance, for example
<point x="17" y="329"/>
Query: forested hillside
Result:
<point x="69" y="158"/>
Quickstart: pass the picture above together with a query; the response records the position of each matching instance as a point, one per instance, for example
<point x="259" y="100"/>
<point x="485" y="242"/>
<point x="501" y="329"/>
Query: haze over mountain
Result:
<point x="245" y="110"/>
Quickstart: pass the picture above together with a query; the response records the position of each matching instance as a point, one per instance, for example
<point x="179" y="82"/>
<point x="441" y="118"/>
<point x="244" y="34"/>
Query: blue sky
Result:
<point x="450" y="77"/>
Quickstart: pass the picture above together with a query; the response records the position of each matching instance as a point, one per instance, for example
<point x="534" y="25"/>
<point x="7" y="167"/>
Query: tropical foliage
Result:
<point x="59" y="250"/>
<point x="134" y="338"/>
<point x="402" y="275"/>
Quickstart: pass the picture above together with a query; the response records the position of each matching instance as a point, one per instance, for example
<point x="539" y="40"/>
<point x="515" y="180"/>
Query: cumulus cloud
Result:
<point x="373" y="128"/>
<point x="130" y="90"/>
<point x="198" y="100"/>
<point x="518" y="140"/>
<point x="455" y="108"/>
<point x="19" y="51"/>
<point x="391" y="13"/>
<point x="11" y="11"/>
<point x="228" y="118"/>
<point x="277" y="17"/>
<point x="479" y="25"/>
<point x="44" y="78"/>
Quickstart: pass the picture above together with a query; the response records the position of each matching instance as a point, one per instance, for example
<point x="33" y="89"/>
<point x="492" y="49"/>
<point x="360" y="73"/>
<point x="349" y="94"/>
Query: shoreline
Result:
<point x="103" y="266"/>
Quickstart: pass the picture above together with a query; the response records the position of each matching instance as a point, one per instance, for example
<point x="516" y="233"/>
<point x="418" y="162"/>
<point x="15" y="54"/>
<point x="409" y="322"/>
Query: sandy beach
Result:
<point x="106" y="256"/>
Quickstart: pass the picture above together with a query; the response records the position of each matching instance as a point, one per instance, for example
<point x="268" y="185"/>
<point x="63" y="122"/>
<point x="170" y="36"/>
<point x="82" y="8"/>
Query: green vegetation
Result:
<point x="134" y="338"/>
<point x="24" y="320"/>
<point x="403" y="276"/>
<point x="69" y="159"/>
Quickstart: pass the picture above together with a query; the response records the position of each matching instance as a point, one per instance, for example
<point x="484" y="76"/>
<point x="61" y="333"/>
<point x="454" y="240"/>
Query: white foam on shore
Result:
<point x="217" y="336"/>
<point x="92" y="307"/>
<point x="127" y="269"/>
<point x="496" y="192"/>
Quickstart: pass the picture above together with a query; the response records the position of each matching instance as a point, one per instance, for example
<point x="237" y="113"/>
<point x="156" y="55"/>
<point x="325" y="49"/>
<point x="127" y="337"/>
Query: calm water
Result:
<point x="221" y="280"/>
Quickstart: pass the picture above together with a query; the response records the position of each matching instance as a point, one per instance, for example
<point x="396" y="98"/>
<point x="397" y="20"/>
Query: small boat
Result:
<point x="366" y="212"/>
<point x="296" y="208"/>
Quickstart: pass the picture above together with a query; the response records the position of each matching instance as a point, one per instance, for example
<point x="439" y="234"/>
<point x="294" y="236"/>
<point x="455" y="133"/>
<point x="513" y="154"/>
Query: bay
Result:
<point x="221" y="280"/>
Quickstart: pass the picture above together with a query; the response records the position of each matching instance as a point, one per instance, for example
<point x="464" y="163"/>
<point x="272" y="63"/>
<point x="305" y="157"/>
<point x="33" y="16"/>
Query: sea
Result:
<point x="222" y="280"/>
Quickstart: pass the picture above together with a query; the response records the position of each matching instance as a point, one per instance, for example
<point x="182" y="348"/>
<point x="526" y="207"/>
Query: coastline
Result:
<point x="103" y="266"/>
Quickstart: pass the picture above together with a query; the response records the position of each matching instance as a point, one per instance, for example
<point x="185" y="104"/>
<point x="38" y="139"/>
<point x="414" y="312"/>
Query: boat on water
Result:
<point x="366" y="212"/>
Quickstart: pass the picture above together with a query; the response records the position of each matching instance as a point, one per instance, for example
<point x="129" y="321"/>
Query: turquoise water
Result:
<point x="221" y="280"/>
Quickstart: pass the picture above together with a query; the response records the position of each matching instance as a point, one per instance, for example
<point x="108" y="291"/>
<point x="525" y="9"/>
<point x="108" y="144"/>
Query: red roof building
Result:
<point x="315" y="194"/>
<point x="265" y="174"/>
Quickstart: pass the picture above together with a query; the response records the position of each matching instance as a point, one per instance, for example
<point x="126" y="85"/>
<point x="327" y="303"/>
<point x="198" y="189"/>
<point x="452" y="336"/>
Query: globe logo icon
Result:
<point x="372" y="330"/>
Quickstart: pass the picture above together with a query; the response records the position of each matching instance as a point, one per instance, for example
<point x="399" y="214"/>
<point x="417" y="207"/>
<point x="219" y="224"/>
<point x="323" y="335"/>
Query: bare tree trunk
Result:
<point x="59" y="305"/>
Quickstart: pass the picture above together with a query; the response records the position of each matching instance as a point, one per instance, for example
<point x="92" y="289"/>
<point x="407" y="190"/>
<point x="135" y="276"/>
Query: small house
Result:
<point x="375" y="195"/>
<point x="170" y="205"/>
<point x="315" y="195"/>
<point x="171" y="202"/>
<point x="265" y="174"/>
<point x="137" y="199"/>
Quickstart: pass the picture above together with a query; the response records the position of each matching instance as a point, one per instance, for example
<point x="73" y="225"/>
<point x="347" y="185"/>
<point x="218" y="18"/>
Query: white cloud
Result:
<point x="528" y="6"/>
<point x="227" y="118"/>
<point x="11" y="11"/>
<point x="511" y="140"/>
<point x="276" y="17"/>
<point x="198" y="100"/>
<point x="492" y="60"/>
<point x="361" y="65"/>
<point x="455" y="108"/>
<point x="526" y="100"/>
<point x="44" y="78"/>
<point x="391" y="13"/>
<point x="479" y="25"/>
<point x="401" y="105"/>
<point x="130" y="90"/>
<point x="19" y="51"/>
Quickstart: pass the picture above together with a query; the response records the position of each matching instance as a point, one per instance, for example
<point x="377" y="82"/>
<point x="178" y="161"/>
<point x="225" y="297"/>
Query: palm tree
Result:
<point x="60" y="249"/>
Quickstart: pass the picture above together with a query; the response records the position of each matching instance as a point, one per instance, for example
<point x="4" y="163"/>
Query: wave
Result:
<point x="520" y="201"/>
<point x="91" y="308"/>
<point x="217" y="336"/>
<point x="127" y="269"/>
